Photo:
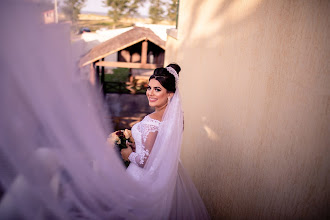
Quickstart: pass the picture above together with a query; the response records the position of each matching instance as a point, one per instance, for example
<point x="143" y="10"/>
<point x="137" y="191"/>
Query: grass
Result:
<point x="119" y="75"/>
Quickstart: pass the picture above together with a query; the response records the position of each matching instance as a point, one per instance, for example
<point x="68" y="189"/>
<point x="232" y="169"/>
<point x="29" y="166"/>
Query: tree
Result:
<point x="71" y="9"/>
<point x="156" y="11"/>
<point x="118" y="9"/>
<point x="123" y="8"/>
<point x="133" y="7"/>
<point x="172" y="10"/>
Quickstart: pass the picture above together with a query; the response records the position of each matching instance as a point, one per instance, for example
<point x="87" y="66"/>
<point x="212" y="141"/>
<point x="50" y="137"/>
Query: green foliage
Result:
<point x="172" y="10"/>
<point x="71" y="9"/>
<point x="118" y="8"/>
<point x="118" y="83"/>
<point x="119" y="75"/>
<point x="156" y="11"/>
<point x="123" y="8"/>
<point x="133" y="7"/>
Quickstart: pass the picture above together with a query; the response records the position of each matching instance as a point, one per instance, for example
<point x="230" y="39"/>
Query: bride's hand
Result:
<point x="132" y="145"/>
<point x="126" y="152"/>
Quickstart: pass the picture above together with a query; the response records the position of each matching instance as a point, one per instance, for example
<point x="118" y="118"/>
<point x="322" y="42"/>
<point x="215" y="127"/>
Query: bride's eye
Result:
<point x="148" y="88"/>
<point x="158" y="89"/>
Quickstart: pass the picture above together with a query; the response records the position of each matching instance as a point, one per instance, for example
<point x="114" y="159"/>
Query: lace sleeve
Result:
<point x="149" y="134"/>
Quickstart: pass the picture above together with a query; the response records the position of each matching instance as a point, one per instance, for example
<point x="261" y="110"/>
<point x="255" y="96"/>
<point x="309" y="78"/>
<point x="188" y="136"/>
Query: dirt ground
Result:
<point x="95" y="22"/>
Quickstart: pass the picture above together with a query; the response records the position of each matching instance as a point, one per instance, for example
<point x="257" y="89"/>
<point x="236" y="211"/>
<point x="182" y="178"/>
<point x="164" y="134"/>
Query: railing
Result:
<point x="123" y="88"/>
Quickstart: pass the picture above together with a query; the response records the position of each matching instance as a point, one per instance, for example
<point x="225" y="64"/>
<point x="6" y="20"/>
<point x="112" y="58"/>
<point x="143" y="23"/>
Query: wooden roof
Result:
<point x="122" y="41"/>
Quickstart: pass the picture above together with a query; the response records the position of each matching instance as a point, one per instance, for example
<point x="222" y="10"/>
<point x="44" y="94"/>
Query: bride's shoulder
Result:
<point x="153" y="117"/>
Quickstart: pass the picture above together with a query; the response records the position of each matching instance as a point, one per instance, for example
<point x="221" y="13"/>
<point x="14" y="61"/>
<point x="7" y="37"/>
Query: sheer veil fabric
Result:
<point x="54" y="162"/>
<point x="165" y="173"/>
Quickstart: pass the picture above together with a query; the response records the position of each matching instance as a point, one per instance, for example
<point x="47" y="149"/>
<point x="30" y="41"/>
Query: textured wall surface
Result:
<point x="255" y="84"/>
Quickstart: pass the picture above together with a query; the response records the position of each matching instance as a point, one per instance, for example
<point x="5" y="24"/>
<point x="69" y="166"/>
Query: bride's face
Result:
<point x="157" y="94"/>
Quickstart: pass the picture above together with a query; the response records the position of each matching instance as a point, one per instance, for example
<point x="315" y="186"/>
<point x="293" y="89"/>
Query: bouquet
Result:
<point x="119" y="139"/>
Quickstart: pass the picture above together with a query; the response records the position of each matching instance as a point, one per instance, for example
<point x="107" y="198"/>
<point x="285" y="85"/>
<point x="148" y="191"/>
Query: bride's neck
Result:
<point x="160" y="109"/>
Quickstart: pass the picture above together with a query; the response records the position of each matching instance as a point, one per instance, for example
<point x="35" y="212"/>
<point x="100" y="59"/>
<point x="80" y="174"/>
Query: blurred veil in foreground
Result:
<point x="54" y="161"/>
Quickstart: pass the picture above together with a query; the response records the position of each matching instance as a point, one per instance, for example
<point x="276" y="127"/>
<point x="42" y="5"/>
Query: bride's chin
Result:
<point x="151" y="104"/>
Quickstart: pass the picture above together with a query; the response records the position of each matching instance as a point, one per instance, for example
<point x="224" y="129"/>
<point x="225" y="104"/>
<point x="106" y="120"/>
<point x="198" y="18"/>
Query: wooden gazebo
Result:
<point x="138" y="48"/>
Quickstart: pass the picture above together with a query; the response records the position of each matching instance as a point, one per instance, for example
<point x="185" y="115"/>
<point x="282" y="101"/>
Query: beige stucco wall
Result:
<point x="255" y="84"/>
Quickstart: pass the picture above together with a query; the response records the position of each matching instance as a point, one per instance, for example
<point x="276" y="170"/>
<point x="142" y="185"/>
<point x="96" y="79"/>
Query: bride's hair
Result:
<point x="165" y="78"/>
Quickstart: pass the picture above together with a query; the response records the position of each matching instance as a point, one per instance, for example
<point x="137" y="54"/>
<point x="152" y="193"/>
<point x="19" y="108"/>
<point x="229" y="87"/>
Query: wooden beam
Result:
<point x="128" y="65"/>
<point x="144" y="52"/>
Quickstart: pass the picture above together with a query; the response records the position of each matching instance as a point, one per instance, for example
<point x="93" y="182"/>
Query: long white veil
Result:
<point x="54" y="161"/>
<point x="165" y="173"/>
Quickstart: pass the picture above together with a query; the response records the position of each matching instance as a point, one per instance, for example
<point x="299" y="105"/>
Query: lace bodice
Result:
<point x="144" y="134"/>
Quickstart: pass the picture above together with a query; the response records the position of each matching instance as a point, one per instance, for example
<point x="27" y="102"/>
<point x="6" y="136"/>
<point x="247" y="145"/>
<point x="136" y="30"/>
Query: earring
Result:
<point x="168" y="99"/>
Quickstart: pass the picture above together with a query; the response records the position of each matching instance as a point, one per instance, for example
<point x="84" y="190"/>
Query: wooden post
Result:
<point x="102" y="78"/>
<point x="55" y="10"/>
<point x="177" y="14"/>
<point x="97" y="75"/>
<point x="92" y="74"/>
<point x="144" y="52"/>
<point x="102" y="73"/>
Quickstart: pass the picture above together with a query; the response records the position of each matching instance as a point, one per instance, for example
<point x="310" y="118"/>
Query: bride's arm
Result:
<point x="148" y="140"/>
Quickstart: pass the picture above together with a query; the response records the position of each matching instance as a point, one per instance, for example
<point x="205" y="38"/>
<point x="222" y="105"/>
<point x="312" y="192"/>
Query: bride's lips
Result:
<point x="152" y="100"/>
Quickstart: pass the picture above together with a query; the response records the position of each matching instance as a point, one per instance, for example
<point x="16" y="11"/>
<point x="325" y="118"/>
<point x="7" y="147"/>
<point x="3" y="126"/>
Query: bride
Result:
<point x="54" y="160"/>
<point x="158" y="142"/>
<point x="161" y="88"/>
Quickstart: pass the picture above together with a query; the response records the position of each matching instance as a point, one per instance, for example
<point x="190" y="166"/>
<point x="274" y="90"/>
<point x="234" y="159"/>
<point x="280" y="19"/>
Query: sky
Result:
<point x="95" y="6"/>
<point x="98" y="6"/>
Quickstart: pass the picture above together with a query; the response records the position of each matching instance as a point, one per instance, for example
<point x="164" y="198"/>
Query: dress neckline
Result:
<point x="153" y="119"/>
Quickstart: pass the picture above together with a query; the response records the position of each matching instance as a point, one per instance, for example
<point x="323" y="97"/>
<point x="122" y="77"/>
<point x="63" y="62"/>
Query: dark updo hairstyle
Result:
<point x="165" y="78"/>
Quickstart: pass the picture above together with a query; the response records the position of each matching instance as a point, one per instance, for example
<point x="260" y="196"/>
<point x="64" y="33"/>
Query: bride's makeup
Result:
<point x="157" y="95"/>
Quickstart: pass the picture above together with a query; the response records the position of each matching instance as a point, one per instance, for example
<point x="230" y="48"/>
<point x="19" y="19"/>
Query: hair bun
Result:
<point x="175" y="66"/>
<point x="167" y="76"/>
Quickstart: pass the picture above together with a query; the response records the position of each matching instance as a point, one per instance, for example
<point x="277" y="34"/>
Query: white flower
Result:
<point x="127" y="134"/>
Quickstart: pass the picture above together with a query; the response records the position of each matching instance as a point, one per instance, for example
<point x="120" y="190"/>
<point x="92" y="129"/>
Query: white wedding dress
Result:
<point x="156" y="163"/>
<point x="144" y="133"/>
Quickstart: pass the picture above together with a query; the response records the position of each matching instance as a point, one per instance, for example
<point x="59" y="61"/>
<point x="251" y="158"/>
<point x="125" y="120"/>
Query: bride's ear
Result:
<point x="170" y="95"/>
